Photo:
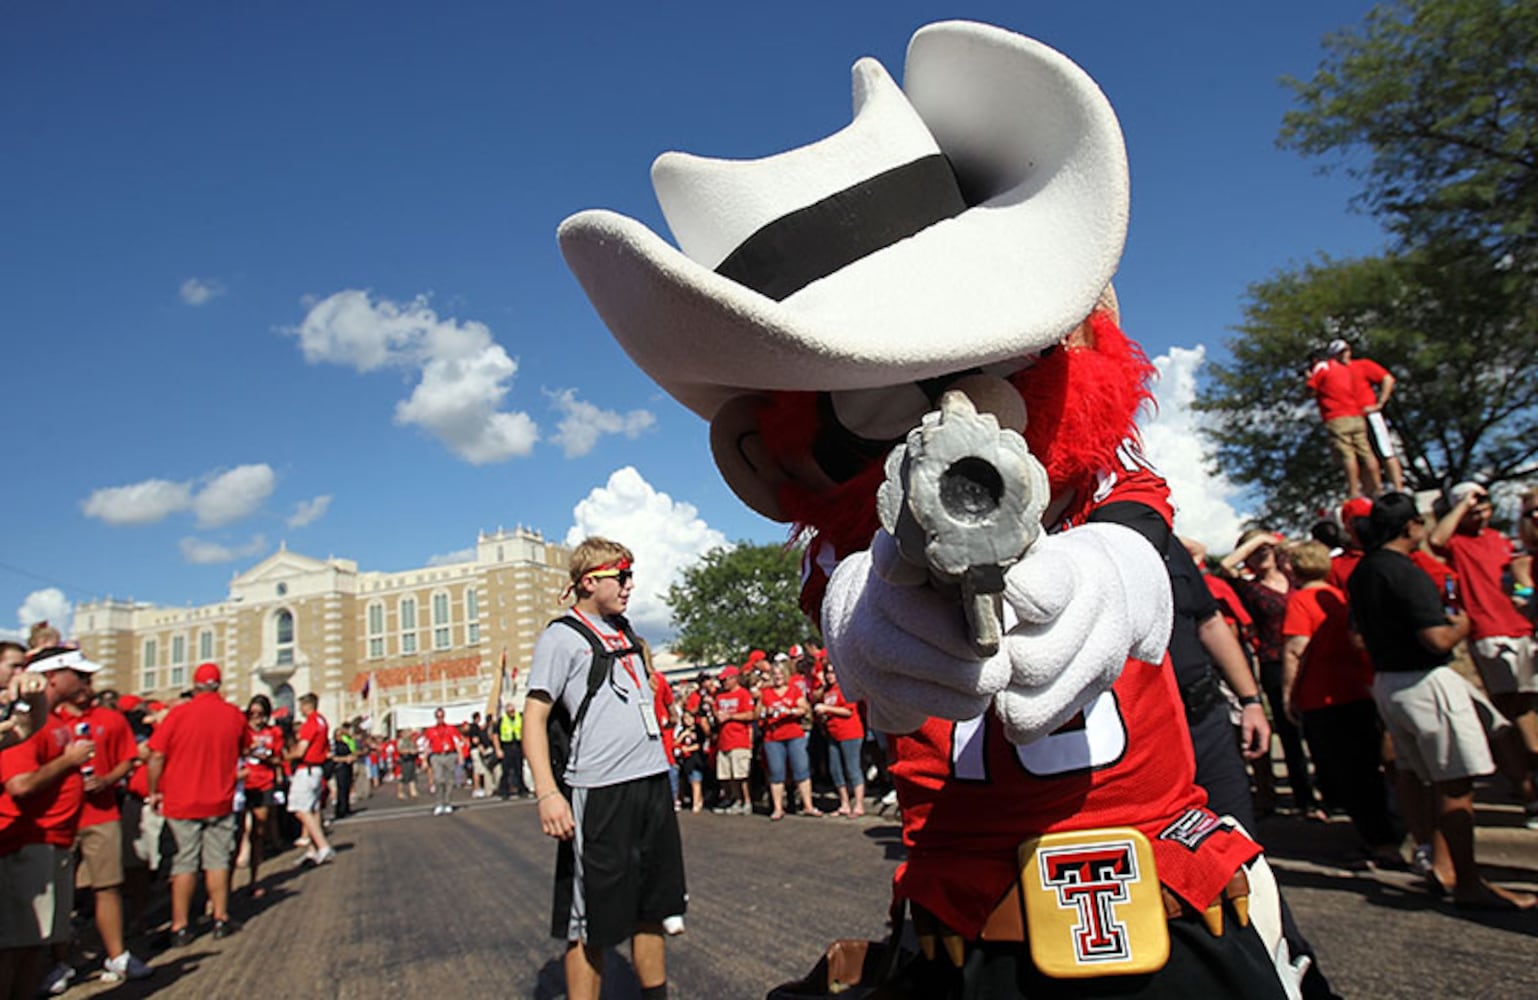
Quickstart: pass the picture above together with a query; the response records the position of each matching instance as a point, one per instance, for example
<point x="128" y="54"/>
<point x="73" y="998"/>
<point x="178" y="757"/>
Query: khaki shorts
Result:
<point x="99" y="856"/>
<point x="1435" y="723"/>
<point x="1349" y="436"/>
<point x="1505" y="663"/>
<point x="733" y="765"/>
<point x="304" y="789"/>
<point x="203" y="844"/>
<point x="37" y="892"/>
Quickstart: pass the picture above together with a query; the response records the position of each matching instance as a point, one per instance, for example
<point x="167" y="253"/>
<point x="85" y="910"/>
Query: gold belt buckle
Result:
<point x="1092" y="904"/>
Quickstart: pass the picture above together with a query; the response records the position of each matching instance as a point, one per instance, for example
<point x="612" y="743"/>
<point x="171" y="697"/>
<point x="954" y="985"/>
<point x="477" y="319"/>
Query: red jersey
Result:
<point x="1336" y="387"/>
<point x="780" y="719"/>
<point x="202" y="740"/>
<point x="317" y="731"/>
<point x="1368" y="375"/>
<point x="114" y="744"/>
<point x="1334" y="671"/>
<point x="264" y="758"/>
<point x="49" y="815"/>
<point x="969" y="797"/>
<point x="734" y="735"/>
<point x="1479" y="561"/>
<point x="442" y="739"/>
<point x="842" y="727"/>
<point x="1341" y="568"/>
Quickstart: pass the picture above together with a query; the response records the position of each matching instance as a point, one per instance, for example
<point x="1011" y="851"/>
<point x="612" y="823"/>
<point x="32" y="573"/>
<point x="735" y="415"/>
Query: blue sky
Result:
<point x="184" y="185"/>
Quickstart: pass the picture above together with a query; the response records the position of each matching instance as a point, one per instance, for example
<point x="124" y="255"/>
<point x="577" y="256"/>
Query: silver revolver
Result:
<point x="963" y="498"/>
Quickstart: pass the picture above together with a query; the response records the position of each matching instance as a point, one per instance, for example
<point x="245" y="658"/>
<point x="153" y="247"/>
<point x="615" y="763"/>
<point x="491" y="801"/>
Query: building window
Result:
<point x="376" y="641"/>
<point x="408" y="626"/>
<point x="151" y="654"/>
<point x="440" y="621"/>
<point x="178" y="649"/>
<point x="283" y="628"/>
<point x="472" y="616"/>
<point x="205" y="645"/>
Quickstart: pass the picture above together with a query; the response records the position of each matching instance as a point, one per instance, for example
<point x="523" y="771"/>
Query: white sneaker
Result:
<point x="309" y="857"/>
<point x="125" y="966"/>
<point x="326" y="857"/>
<point x="673" y="926"/>
<point x="58" y="980"/>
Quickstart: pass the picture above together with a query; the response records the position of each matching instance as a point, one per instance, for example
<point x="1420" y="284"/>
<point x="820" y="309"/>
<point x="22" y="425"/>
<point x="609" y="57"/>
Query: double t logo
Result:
<point x="1093" y="879"/>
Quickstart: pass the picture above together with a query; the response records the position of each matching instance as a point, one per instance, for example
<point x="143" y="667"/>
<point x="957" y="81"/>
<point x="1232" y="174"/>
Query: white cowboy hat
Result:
<point x="970" y="218"/>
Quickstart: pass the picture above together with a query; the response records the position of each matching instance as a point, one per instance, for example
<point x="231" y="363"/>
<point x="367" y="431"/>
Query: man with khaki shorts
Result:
<point x="1337" y="388"/>
<point x="194" y="755"/>
<point x="734" y="742"/>
<point x="1427" y="708"/>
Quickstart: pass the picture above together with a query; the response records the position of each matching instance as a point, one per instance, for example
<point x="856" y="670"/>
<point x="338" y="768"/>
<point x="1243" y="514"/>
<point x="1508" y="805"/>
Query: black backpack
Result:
<point x="561" y="729"/>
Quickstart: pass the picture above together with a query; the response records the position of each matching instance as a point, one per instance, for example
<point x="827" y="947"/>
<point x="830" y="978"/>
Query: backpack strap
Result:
<point x="603" y="661"/>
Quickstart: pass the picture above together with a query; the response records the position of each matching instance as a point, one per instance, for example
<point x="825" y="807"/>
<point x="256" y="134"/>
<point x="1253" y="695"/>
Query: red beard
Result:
<point x="1081" y="402"/>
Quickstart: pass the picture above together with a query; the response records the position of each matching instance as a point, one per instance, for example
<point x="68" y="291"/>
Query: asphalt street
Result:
<point x="423" y="906"/>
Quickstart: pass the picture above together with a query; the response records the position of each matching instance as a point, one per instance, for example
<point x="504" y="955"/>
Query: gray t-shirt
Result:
<point x="615" y="743"/>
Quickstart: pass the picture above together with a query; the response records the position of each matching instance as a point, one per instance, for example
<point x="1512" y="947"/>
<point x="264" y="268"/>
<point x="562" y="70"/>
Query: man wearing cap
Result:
<point x="99" y="842"/>
<point x="1501" y="637"/>
<point x="43" y="792"/>
<point x="1428" y="708"/>
<point x="312" y="748"/>
<point x="194" y="755"/>
<point x="1337" y="388"/>
<point x="620" y="867"/>
<point x="1353" y="518"/>
<point x="734" y="741"/>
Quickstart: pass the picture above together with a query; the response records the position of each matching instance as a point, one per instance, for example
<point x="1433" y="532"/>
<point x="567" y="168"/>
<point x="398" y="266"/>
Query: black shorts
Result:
<point x="257" y="797"/>
<point x="624" y="867"/>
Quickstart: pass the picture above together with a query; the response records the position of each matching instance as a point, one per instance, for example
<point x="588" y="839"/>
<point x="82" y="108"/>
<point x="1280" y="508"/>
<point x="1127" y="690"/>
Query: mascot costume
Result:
<point x="906" y="344"/>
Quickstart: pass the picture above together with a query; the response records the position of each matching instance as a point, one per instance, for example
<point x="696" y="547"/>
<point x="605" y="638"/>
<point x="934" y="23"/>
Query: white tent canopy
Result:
<point x="422" y="716"/>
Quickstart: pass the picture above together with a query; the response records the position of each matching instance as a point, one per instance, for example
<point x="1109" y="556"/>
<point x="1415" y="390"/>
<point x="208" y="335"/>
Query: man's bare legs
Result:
<point x="310" y="822"/>
<point x="1453" y="846"/>
<point x="648" y="953"/>
<point x="584" y="971"/>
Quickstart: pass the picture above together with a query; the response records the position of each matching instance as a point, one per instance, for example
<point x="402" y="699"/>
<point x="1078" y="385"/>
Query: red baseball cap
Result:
<point x="156" y="706"/>
<point x="128" y="702"/>
<point x="1354" y="508"/>
<point x="207" y="673"/>
<point x="728" y="671"/>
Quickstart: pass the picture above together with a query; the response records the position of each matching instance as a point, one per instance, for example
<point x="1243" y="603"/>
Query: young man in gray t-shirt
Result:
<point x="621" y="804"/>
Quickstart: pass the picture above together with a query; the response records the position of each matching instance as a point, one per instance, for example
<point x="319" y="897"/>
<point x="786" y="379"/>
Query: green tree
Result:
<point x="737" y="599"/>
<point x="1442" y="96"/>
<point x="1457" y="334"/>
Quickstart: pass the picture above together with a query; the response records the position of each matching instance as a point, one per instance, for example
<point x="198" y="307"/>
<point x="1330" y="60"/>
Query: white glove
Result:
<point x="1075" y="607"/>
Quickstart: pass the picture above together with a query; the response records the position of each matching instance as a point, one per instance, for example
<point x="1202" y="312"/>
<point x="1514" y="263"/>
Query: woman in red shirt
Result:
<point x="259" y="770"/>
<point x="846" y="735"/>
<point x="781" y="707"/>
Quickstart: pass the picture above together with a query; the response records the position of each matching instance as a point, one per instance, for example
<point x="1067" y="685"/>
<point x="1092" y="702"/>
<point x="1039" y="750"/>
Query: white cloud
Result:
<point x="197" y="292"/>
<point x="201" y="552"/>
<point x="1204" y="500"/>
<point x="450" y="558"/>
<point x="583" y="423"/>
<point x="46" y="605"/>
<point x="464" y="374"/>
<point x="138" y="503"/>
<point x="309" y="511"/>
<point x="230" y="496"/>
<point x="666" y="536"/>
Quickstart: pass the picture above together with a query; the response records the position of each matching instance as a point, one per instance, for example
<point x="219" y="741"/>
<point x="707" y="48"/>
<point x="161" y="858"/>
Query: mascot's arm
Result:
<point x="1077" y="606"/>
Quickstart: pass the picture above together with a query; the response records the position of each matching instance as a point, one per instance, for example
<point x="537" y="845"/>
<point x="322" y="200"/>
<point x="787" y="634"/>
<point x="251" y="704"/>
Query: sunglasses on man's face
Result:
<point x="621" y="576"/>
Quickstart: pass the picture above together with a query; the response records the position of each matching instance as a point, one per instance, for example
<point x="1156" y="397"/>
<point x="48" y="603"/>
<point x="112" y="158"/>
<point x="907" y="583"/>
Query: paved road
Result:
<point x="424" y="906"/>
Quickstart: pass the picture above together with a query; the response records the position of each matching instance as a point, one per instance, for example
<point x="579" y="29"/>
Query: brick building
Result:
<point x="292" y="624"/>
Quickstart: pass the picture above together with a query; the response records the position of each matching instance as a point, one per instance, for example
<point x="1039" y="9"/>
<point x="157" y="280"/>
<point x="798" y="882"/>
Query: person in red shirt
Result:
<point x="846" y="736"/>
<point x="1500" y="636"/>
<point x="734" y="742"/>
<point x="260" y="770"/>
<point x="442" y="752"/>
<point x="1374" y="385"/>
<point x="43" y="793"/>
<point x="194" y="756"/>
<point x="99" y="842"/>
<point x="1327" y="689"/>
<point x="781" y="707"/>
<point x="1353" y="514"/>
<point x="311" y="750"/>
<point x="1338" y="393"/>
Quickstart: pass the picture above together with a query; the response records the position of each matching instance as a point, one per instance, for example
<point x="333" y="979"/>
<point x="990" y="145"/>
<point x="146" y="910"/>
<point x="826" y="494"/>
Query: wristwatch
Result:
<point x="1248" y="700"/>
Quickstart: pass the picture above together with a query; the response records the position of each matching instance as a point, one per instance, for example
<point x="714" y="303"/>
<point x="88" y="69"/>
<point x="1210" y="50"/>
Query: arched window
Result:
<point x="283" y="634"/>
<point x="441" y="621"/>
<point x="408" y="626"/>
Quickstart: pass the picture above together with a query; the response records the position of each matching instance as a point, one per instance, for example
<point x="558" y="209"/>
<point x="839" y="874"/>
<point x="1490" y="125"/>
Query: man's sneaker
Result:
<point x="1530" y="815"/>
<point x="58" y="980"/>
<point x="125" y="966"/>
<point x="744" y="808"/>
<point x="1420" y="862"/>
<point x="224" y="928"/>
<point x="309" y="857"/>
<point x="327" y="856"/>
<point x="447" y="810"/>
